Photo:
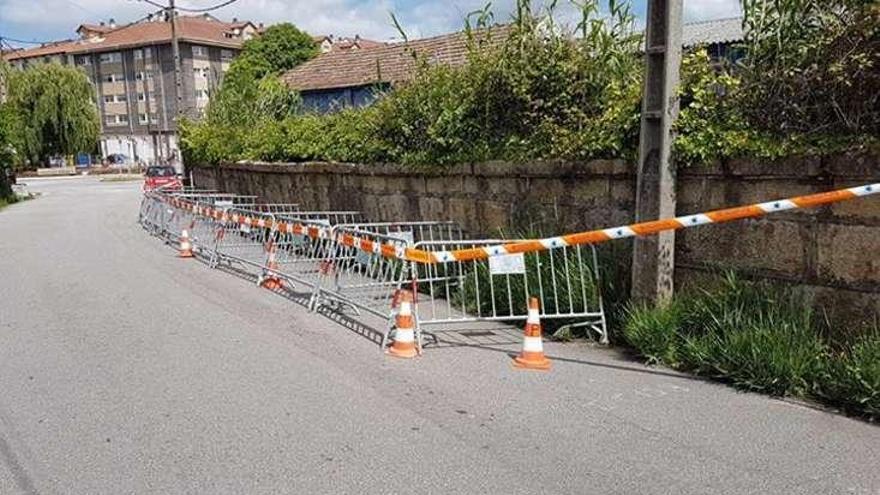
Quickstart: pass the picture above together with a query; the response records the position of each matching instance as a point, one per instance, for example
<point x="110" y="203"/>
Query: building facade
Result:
<point x="132" y="70"/>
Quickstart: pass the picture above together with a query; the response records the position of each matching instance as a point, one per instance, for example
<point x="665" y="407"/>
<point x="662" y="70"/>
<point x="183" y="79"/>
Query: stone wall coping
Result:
<point x="487" y="169"/>
<point x="855" y="165"/>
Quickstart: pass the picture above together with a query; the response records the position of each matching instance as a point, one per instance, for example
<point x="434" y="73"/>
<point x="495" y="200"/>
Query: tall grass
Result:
<point x="760" y="337"/>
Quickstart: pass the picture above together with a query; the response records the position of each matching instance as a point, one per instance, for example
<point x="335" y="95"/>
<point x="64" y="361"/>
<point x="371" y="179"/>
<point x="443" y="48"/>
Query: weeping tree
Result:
<point x="55" y="110"/>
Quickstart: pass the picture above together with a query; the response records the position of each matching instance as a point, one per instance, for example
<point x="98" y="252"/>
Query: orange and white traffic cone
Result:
<point x="185" y="245"/>
<point x="271" y="281"/>
<point x="532" y="355"/>
<point x="404" y="345"/>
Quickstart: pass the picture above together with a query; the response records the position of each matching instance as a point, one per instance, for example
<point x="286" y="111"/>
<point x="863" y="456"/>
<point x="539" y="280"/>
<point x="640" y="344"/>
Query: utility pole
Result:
<point x="178" y="77"/>
<point x="654" y="257"/>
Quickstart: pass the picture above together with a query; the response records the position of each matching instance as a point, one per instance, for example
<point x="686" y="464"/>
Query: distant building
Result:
<point x="353" y="78"/>
<point x="132" y="70"/>
<point x="719" y="36"/>
<point x="331" y="43"/>
<point x="341" y="78"/>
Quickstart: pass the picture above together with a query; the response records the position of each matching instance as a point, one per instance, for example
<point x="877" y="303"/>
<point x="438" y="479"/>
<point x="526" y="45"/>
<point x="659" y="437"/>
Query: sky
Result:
<point x="39" y="20"/>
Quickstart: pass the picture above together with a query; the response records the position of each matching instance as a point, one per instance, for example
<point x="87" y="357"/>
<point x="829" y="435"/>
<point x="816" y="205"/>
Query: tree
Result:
<point x="55" y="110"/>
<point x="251" y="93"/>
<point x="279" y="48"/>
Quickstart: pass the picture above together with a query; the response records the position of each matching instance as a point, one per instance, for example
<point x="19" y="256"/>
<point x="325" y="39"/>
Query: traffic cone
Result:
<point x="271" y="281"/>
<point x="404" y="345"/>
<point x="532" y="355"/>
<point x="185" y="246"/>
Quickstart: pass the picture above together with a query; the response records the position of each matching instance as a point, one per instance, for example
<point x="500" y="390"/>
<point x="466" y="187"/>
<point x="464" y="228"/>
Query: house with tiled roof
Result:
<point x="339" y="79"/>
<point x="346" y="78"/>
<point x="132" y="69"/>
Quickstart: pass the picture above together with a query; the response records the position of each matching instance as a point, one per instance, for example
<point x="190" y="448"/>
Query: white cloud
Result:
<point x="54" y="19"/>
<point x="701" y="10"/>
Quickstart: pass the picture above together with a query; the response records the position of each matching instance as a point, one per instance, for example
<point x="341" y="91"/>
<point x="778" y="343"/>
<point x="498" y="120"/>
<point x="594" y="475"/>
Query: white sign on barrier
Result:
<point x="404" y="235"/>
<point x="363" y="257"/>
<point x="509" y="264"/>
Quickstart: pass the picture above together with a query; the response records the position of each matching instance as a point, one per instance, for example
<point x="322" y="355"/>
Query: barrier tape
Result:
<point x="590" y="237"/>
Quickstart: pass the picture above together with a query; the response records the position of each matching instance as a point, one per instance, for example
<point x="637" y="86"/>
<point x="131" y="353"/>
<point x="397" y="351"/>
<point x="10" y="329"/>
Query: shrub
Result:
<point x="852" y="377"/>
<point x="761" y="337"/>
<point x="812" y="66"/>
<point x="654" y="333"/>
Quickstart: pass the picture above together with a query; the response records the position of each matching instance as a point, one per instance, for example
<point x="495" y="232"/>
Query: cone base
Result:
<point x="185" y="254"/>
<point x="272" y="284"/>
<point x="532" y="364"/>
<point x="402" y="353"/>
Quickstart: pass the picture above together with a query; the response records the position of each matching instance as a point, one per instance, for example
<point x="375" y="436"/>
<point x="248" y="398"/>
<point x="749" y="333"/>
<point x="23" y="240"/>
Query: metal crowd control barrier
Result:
<point x="257" y="243"/>
<point x="357" y="274"/>
<point x="346" y="263"/>
<point x="301" y="244"/>
<point x="368" y="267"/>
<point x="565" y="280"/>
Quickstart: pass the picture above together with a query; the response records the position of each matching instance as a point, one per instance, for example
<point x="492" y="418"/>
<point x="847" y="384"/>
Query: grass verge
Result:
<point x="759" y="337"/>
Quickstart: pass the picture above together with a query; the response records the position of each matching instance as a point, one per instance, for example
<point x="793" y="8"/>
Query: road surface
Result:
<point x="124" y="369"/>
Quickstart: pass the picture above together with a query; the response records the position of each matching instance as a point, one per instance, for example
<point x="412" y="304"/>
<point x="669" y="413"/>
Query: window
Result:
<point x="142" y="97"/>
<point x="108" y="98"/>
<point x="200" y="51"/>
<point x="142" y="118"/>
<point x="140" y="76"/>
<point x="138" y="54"/>
<point x="117" y="119"/>
<point x="112" y="78"/>
<point x="226" y="54"/>
<point x="201" y="72"/>
<point x="112" y="57"/>
<point x="83" y="60"/>
<point x="154" y="119"/>
<point x="121" y="98"/>
<point x="201" y="94"/>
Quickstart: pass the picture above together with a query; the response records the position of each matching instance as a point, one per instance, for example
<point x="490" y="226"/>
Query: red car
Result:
<point x="161" y="176"/>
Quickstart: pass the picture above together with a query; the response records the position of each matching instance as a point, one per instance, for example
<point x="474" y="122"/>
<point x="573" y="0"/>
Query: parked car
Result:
<point x="162" y="176"/>
<point x="117" y="159"/>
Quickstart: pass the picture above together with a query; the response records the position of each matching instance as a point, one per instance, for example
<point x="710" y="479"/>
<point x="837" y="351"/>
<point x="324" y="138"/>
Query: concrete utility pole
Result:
<point x="653" y="257"/>
<point x="175" y="53"/>
<point x="178" y="79"/>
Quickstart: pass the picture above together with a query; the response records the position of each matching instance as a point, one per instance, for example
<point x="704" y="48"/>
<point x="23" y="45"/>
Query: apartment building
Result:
<point x="132" y="69"/>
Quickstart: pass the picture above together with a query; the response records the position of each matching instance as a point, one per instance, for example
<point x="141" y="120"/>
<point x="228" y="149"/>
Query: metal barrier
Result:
<point x="343" y="262"/>
<point x="357" y="274"/>
<point x="565" y="280"/>
<point x="301" y="244"/>
<point x="368" y="267"/>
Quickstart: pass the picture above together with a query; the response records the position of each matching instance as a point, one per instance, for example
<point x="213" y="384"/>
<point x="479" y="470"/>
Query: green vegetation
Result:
<point x="252" y="98"/>
<point x="50" y="110"/>
<point x="538" y="90"/>
<point x="759" y="337"/>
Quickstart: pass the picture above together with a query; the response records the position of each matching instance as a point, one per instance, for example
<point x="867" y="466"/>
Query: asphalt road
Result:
<point x="124" y="369"/>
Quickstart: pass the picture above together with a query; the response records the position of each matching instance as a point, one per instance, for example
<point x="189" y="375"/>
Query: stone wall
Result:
<point x="834" y="251"/>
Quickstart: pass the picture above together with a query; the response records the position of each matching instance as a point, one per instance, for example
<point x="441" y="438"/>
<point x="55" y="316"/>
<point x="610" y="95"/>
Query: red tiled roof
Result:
<point x="191" y="29"/>
<point x="392" y="63"/>
<point x="41" y="51"/>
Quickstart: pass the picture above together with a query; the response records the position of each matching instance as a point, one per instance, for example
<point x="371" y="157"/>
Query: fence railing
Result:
<point x="342" y="262"/>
